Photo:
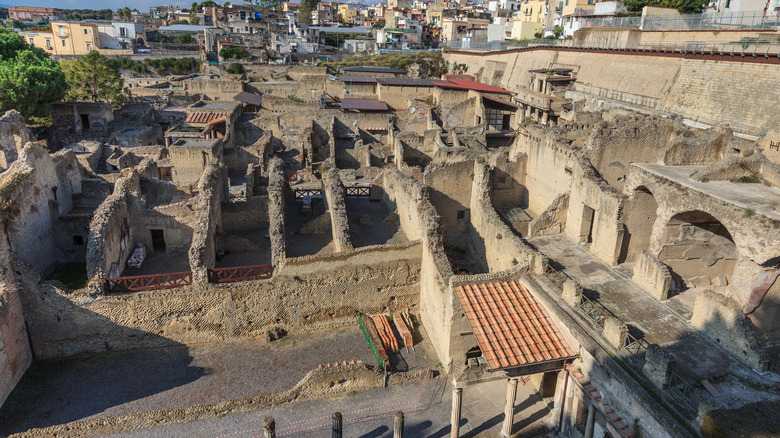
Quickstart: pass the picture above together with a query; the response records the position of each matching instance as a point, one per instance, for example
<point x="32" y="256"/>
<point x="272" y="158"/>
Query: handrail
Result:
<point x="148" y="282"/>
<point x="240" y="273"/>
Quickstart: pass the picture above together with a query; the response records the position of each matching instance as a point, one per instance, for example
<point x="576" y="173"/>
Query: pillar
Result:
<point x="509" y="410"/>
<point x="269" y="427"/>
<point x="590" y="423"/>
<point x="398" y="427"/>
<point x="457" y="394"/>
<point x="336" y="425"/>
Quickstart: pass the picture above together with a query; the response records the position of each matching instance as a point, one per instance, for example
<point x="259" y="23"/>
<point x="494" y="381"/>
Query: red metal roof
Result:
<point x="471" y="85"/>
<point x="511" y="327"/>
<point x="203" y="117"/>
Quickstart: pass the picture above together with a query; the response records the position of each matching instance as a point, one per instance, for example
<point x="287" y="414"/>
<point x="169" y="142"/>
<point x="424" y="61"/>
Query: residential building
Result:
<point x="525" y="30"/>
<point x="32" y="13"/>
<point x="71" y="38"/>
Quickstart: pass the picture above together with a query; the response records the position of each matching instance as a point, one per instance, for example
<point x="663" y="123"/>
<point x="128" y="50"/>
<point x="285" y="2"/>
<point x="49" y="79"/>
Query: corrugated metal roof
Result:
<point x="471" y="85"/>
<point x="363" y="104"/>
<point x="202" y="117"/>
<point x="511" y="327"/>
<point x="405" y="82"/>
<point x="374" y="69"/>
<point x="250" y="98"/>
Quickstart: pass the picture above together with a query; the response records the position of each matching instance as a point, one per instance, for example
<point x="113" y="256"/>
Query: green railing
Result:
<point x="379" y="361"/>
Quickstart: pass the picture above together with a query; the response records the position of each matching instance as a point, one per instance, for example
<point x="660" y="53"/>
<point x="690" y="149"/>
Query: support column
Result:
<point x="457" y="394"/>
<point x="398" y="427"/>
<point x="509" y="411"/>
<point x="336" y="425"/>
<point x="590" y="423"/>
<point x="269" y="427"/>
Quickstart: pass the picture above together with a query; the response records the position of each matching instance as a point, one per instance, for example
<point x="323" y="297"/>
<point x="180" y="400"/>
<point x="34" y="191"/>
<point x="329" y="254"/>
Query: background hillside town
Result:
<point x="538" y="218"/>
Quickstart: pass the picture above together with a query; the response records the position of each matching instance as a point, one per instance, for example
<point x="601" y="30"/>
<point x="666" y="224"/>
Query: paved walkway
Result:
<point x="697" y="357"/>
<point x="427" y="409"/>
<point x="119" y="383"/>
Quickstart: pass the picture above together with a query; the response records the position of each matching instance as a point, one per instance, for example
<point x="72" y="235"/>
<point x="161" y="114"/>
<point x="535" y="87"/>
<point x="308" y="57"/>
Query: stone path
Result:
<point x="118" y="383"/>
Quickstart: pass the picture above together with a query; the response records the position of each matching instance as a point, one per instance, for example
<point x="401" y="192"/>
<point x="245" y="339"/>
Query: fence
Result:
<point x="682" y="391"/>
<point x="302" y="193"/>
<point x="240" y="273"/>
<point x="149" y="282"/>
<point x="723" y="21"/>
<point x="374" y="351"/>
<point x="358" y="191"/>
<point x="753" y="48"/>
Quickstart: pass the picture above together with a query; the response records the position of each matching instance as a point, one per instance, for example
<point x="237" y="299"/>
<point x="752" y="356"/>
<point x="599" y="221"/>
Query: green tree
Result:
<point x="29" y="80"/>
<point x="305" y="9"/>
<point x="3" y="13"/>
<point x="235" y="68"/>
<point x="184" y="38"/>
<point x="683" y="6"/>
<point x="94" y="78"/>
<point x="557" y="31"/>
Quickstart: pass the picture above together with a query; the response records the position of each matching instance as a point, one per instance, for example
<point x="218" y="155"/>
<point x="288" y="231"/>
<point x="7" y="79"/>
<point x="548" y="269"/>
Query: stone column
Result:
<point x="590" y="423"/>
<point x="269" y="427"/>
<point x="509" y="410"/>
<point x="457" y="394"/>
<point x="398" y="427"/>
<point x="336" y="425"/>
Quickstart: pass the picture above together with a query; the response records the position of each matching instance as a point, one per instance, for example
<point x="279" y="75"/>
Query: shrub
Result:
<point x="235" y="68"/>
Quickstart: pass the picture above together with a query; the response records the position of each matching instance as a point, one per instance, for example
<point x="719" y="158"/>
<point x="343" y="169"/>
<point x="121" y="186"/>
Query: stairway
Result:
<point x="620" y="424"/>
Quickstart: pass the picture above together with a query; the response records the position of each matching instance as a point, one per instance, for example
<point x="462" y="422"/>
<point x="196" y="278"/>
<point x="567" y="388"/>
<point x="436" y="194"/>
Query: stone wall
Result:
<point x="420" y="221"/>
<point x="337" y="208"/>
<point x="38" y="187"/>
<point x="450" y="192"/>
<point x="276" y="206"/>
<point x="250" y="215"/>
<point x="13" y="136"/>
<point x="15" y="354"/>
<point x="307" y="293"/>
<point x="208" y="222"/>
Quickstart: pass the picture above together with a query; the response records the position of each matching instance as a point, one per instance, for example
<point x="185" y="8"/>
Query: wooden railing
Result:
<point x="148" y="282"/>
<point x="300" y="193"/>
<point x="240" y="273"/>
<point x="358" y="191"/>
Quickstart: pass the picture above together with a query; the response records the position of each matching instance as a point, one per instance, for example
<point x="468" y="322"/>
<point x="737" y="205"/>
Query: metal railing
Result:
<point x="593" y="310"/>
<point x="358" y="191"/>
<point x="634" y="345"/>
<point x="374" y="351"/>
<point x="682" y="391"/>
<point x="148" y="282"/>
<point x="711" y="21"/>
<point x="751" y="48"/>
<point x="240" y="273"/>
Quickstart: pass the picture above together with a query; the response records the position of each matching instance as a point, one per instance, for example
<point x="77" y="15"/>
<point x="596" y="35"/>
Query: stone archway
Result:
<point x="699" y="251"/>
<point x="641" y="213"/>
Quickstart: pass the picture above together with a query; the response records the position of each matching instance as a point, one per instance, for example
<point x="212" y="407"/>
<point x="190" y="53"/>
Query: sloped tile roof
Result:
<point x="461" y="84"/>
<point x="511" y="327"/>
<point x="203" y="116"/>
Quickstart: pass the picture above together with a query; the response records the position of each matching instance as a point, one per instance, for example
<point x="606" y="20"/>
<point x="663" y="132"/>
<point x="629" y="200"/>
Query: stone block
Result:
<point x="652" y="276"/>
<point x="659" y="364"/>
<point x="615" y="332"/>
<point x="571" y="293"/>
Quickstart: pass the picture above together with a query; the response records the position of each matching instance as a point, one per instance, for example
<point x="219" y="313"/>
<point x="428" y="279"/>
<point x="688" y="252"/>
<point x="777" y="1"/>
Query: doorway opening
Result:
<point x="158" y="240"/>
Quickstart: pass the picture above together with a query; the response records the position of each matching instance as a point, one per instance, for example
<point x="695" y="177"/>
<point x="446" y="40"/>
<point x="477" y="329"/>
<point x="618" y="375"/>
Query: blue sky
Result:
<point x="141" y="5"/>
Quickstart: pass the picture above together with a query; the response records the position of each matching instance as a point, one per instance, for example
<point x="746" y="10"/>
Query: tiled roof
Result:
<point x="511" y="327"/>
<point x="202" y="116"/>
<point x="405" y="82"/>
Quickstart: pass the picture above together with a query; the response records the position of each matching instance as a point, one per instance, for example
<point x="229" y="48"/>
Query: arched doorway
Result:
<point x="638" y="222"/>
<point x="699" y="251"/>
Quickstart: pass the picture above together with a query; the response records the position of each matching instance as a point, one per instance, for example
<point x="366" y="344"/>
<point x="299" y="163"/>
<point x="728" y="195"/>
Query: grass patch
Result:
<point x="749" y="212"/>
<point x="749" y="179"/>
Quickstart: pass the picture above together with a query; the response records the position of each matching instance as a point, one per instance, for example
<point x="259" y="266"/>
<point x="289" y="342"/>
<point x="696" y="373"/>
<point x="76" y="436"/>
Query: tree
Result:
<point x="94" y="78"/>
<point x="3" y="13"/>
<point x="235" y="68"/>
<point x="305" y="9"/>
<point x="557" y="31"/>
<point x="683" y="6"/>
<point x="29" y="80"/>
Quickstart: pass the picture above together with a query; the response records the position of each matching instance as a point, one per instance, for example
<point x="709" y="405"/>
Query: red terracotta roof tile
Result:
<point x="512" y="329"/>
<point x="202" y="117"/>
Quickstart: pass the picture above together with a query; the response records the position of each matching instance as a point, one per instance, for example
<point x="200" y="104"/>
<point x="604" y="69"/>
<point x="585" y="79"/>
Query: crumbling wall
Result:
<point x="111" y="236"/>
<point x="15" y="353"/>
<point x="36" y="189"/>
<point x="419" y="221"/>
<point x="552" y="220"/>
<point x="450" y="193"/>
<point x="491" y="239"/>
<point x="722" y="319"/>
<point x="652" y="276"/>
<point x="208" y="222"/>
<point x="276" y="207"/>
<point x="337" y="208"/>
<point x="308" y="293"/>
<point x="250" y="215"/>
<point x="507" y="181"/>
<point x="13" y="136"/>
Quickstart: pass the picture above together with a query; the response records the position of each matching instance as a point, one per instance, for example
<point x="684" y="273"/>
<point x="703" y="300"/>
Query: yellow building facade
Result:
<point x="533" y="11"/>
<point x="66" y="38"/>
